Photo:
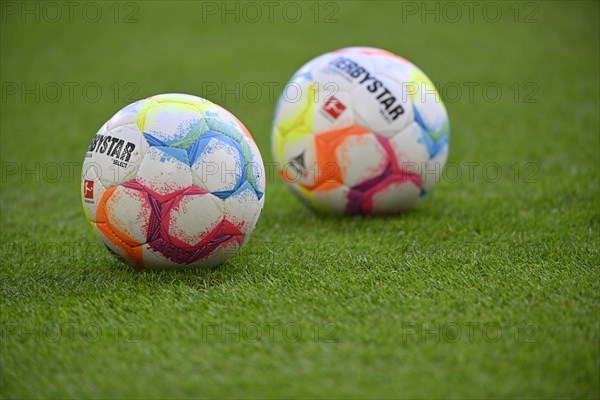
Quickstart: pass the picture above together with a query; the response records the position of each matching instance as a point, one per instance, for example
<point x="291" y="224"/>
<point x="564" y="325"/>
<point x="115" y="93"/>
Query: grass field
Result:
<point x="490" y="288"/>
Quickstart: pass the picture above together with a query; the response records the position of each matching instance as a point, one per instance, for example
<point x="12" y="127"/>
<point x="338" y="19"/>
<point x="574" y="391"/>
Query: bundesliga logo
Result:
<point x="334" y="107"/>
<point x="88" y="187"/>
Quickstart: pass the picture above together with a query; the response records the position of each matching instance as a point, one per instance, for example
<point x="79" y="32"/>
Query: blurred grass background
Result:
<point x="520" y="254"/>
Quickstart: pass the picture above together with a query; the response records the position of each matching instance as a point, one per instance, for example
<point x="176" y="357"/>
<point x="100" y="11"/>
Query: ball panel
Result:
<point x="300" y="162"/>
<point x="171" y="122"/>
<point x="128" y="214"/>
<point x="307" y="198"/>
<point x="396" y="196"/>
<point x="254" y="168"/>
<point x="361" y="199"/>
<point x="218" y="256"/>
<point x="128" y="115"/>
<point x="249" y="228"/>
<point x="294" y="118"/>
<point x="130" y="254"/>
<point x="165" y="171"/>
<point x="430" y="112"/>
<point x="257" y="168"/>
<point x="330" y="169"/>
<point x="409" y="148"/>
<point x="242" y="208"/>
<point x="433" y="169"/>
<point x="217" y="164"/>
<point x="92" y="190"/>
<point x="191" y="219"/>
<point x="332" y="199"/>
<point x="170" y="253"/>
<point x="224" y="115"/>
<point x="360" y="157"/>
<point x="154" y="258"/>
<point x="395" y="68"/>
<point x="185" y="108"/>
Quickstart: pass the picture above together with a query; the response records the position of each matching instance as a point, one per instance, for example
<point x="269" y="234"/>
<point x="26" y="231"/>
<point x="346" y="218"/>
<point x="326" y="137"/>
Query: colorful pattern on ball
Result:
<point x="360" y="131"/>
<point x="173" y="181"/>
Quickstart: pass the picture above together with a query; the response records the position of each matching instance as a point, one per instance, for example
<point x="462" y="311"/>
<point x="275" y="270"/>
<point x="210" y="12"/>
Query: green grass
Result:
<point x="517" y="258"/>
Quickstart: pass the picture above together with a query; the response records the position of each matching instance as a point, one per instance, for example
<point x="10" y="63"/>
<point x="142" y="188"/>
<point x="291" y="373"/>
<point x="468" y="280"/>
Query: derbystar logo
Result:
<point x="334" y="107"/>
<point x="391" y="108"/>
<point x="118" y="149"/>
<point x="88" y="189"/>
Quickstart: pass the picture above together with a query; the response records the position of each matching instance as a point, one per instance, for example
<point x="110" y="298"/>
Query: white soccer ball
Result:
<point x="173" y="181"/>
<point x="360" y="131"/>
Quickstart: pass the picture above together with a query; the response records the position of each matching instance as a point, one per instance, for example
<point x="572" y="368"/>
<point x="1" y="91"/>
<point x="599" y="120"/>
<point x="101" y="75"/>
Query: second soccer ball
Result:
<point x="360" y="131"/>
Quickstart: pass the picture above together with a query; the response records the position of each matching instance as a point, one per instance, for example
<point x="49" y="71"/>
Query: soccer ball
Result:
<point x="360" y="131"/>
<point x="173" y="181"/>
